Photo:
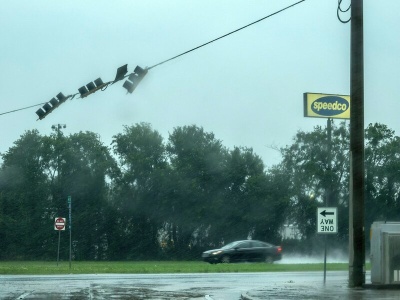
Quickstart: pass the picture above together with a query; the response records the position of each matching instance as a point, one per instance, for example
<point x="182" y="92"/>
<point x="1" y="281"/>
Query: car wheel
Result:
<point x="225" y="259"/>
<point x="269" y="259"/>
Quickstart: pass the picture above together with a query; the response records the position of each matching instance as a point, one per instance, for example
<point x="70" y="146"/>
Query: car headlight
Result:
<point x="216" y="252"/>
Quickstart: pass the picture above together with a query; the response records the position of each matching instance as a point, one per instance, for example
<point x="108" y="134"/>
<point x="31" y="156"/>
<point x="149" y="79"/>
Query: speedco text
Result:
<point x="317" y="106"/>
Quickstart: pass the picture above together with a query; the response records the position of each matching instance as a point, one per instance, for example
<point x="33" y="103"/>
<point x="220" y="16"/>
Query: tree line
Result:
<point x="144" y="197"/>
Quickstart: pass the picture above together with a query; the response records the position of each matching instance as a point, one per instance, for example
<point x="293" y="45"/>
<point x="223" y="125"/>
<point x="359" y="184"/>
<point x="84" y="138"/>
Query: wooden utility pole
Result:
<point x="357" y="184"/>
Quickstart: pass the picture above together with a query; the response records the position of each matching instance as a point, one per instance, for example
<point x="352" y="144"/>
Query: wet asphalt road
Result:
<point x="117" y="286"/>
<point x="227" y="286"/>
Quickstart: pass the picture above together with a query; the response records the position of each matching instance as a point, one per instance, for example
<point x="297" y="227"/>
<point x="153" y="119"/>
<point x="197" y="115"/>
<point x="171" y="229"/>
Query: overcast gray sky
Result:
<point x="246" y="88"/>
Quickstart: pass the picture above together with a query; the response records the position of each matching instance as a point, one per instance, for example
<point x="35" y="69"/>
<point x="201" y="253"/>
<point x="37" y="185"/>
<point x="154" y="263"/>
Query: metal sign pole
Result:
<point x="58" y="248"/>
<point x="328" y="188"/>
<point x="70" y="231"/>
<point x="326" y="224"/>
<point x="325" y="258"/>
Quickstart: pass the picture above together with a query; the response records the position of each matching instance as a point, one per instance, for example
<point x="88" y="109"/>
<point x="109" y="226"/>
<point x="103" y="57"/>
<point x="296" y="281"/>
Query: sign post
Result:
<point x="326" y="223"/>
<point x="59" y="225"/>
<point x="330" y="106"/>
<point x="70" y="230"/>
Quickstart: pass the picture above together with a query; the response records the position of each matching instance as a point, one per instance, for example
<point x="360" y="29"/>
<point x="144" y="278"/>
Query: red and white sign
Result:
<point x="59" y="224"/>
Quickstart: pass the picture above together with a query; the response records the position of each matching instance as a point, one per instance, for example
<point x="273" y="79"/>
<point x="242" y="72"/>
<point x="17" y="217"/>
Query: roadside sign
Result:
<point x="327" y="220"/>
<point x="59" y="224"/>
<point x="326" y="106"/>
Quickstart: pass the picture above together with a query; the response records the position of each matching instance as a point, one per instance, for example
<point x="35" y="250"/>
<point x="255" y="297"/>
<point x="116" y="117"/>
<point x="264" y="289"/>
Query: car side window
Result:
<point x="258" y="244"/>
<point x="244" y="245"/>
<point x="261" y="244"/>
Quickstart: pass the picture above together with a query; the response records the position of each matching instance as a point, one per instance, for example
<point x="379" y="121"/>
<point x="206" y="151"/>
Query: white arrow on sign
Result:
<point x="59" y="224"/>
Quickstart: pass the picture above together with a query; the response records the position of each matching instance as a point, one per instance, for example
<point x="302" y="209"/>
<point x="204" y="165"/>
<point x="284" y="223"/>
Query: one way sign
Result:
<point x="327" y="219"/>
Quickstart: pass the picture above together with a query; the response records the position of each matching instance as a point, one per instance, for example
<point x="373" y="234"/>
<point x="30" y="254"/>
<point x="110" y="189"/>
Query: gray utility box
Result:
<point x="385" y="253"/>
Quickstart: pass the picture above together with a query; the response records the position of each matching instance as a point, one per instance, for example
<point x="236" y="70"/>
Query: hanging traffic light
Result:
<point x="121" y="72"/>
<point x="91" y="87"/>
<point x="134" y="78"/>
<point x="51" y="105"/>
<point x="98" y="82"/>
<point x="130" y="85"/>
<point x="61" y="98"/>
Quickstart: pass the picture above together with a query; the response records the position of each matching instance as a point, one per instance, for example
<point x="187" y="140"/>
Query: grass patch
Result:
<point x="154" y="267"/>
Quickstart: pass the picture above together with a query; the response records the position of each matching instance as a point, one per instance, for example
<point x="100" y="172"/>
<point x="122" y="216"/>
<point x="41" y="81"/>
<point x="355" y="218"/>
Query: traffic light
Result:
<point x="121" y="72"/>
<point x="134" y="78"/>
<point x="130" y="85"/>
<point x="91" y="87"/>
<point x="51" y="105"/>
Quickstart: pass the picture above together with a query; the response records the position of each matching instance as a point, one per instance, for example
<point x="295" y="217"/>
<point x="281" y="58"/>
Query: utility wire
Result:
<point x="15" y="110"/>
<point x="225" y="35"/>
<point x="340" y="10"/>
<point x="186" y="52"/>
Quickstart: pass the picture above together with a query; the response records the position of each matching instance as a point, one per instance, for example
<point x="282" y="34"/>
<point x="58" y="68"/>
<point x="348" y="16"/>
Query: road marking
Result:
<point x="23" y="295"/>
<point x="90" y="292"/>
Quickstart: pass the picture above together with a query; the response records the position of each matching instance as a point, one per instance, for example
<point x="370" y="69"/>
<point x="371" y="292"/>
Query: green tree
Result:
<point x="24" y="224"/>
<point x="274" y="203"/>
<point x="220" y="195"/>
<point x="382" y="166"/>
<point x="317" y="170"/>
<point x="198" y="161"/>
<point x="136" y="192"/>
<point x="245" y="193"/>
<point x="87" y="168"/>
<point x="255" y="200"/>
<point x="37" y="175"/>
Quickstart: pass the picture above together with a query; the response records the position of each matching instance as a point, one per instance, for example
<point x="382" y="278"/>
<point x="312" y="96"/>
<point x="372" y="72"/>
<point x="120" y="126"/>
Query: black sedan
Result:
<point x="247" y="250"/>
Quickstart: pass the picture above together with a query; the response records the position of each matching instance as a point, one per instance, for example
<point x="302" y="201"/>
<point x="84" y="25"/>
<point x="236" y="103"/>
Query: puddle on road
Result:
<point x="123" y="292"/>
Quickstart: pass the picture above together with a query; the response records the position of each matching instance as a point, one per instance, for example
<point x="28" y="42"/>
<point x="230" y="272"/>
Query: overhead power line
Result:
<point x="15" y="110"/>
<point x="341" y="10"/>
<point x="225" y="35"/>
<point x="133" y="78"/>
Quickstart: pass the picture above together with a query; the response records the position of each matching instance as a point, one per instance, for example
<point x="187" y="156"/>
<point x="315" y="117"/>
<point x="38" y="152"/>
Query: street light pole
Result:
<point x="58" y="127"/>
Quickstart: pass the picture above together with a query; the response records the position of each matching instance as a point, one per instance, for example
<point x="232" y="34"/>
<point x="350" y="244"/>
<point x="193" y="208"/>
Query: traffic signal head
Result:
<point x="54" y="102"/>
<point x="51" y="105"/>
<point x="83" y="91"/>
<point x="130" y="85"/>
<point x="41" y="113"/>
<point x="91" y="87"/>
<point x="45" y="110"/>
<point x="61" y="98"/>
<point x="141" y="72"/>
<point x="133" y="80"/>
<point x="98" y="82"/>
<point x="121" y="72"/>
<point x="47" y="107"/>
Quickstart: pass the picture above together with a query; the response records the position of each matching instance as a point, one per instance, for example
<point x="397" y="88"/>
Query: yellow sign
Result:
<point x="326" y="106"/>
